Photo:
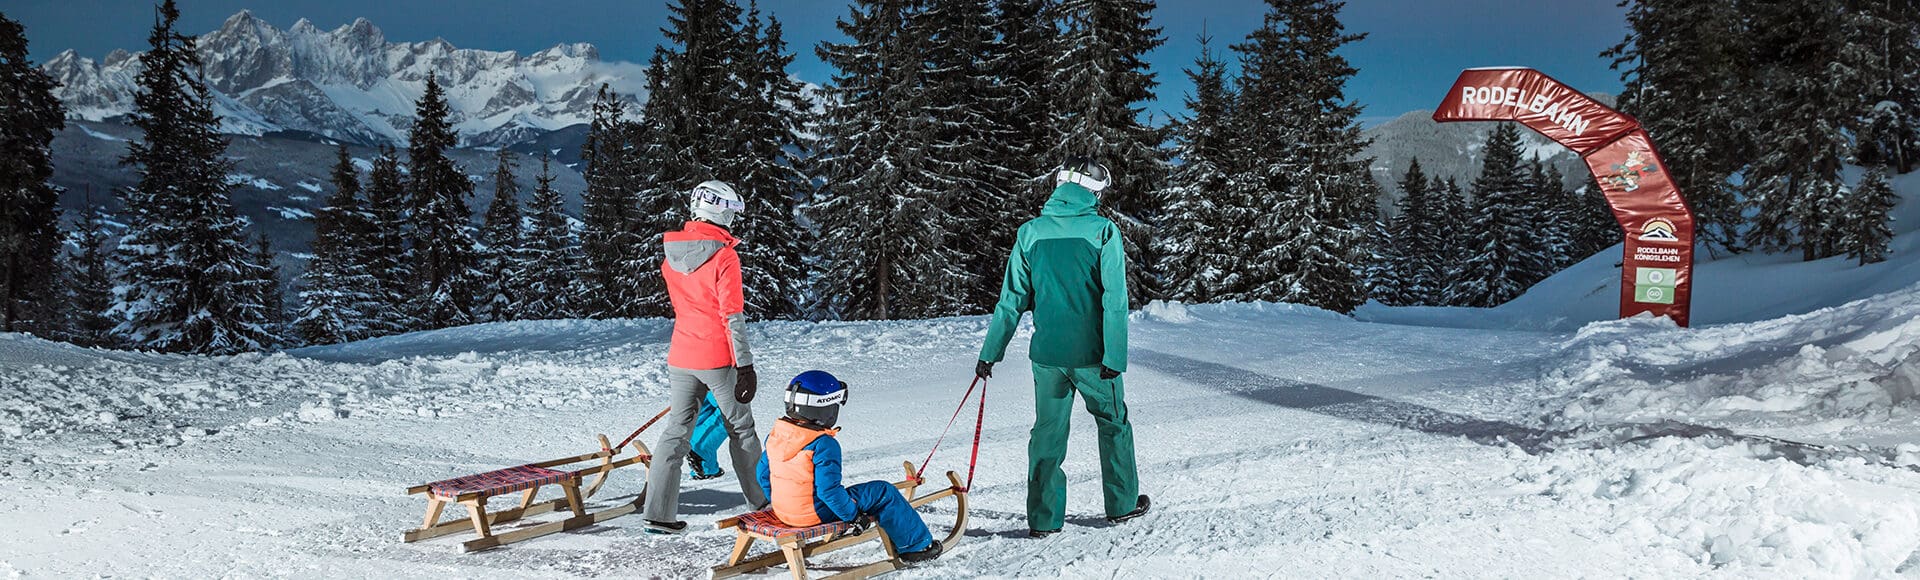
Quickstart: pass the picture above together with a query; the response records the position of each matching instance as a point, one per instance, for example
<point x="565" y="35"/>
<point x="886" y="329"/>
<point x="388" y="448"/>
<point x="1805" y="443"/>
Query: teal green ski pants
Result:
<point x="1053" y="389"/>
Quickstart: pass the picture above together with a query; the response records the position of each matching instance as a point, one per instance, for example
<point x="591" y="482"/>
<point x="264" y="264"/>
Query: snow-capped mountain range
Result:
<point x="352" y="84"/>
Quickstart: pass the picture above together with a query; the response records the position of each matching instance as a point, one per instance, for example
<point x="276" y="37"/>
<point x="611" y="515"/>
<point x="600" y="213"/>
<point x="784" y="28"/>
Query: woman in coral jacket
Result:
<point x="708" y="352"/>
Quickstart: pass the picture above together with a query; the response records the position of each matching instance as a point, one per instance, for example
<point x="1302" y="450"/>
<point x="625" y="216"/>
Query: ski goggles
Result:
<point x="711" y="197"/>
<point x="806" y="399"/>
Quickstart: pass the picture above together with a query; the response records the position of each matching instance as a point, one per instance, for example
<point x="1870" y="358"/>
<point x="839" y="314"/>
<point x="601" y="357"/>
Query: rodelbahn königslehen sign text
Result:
<point x="1657" y="275"/>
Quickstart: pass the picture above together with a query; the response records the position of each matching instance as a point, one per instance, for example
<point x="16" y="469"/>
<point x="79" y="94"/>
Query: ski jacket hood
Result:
<point x="702" y="273"/>
<point x="1070" y="199"/>
<point x="690" y="248"/>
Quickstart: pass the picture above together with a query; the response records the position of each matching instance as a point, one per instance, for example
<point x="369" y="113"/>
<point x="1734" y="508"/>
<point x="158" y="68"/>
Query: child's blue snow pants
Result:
<point x="903" y="525"/>
<point x="709" y="433"/>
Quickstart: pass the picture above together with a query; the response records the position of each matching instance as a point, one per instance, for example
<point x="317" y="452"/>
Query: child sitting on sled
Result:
<point x="800" y="469"/>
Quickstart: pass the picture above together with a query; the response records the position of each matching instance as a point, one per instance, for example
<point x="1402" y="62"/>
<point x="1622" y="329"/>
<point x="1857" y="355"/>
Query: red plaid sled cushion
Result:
<point x="766" y="524"/>
<point x="498" y="481"/>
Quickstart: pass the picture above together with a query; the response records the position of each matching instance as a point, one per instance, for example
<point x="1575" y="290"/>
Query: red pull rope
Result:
<point x="981" y="385"/>
<point x="636" y="432"/>
<point x="979" y="423"/>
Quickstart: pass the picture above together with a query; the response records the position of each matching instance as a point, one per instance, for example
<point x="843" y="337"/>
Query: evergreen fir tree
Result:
<point x="609" y="208"/>
<point x="1411" y="274"/>
<point x="1451" y="215"/>
<point x="1027" y="33"/>
<point x="544" y="265"/>
<point x="339" y="293"/>
<point x="445" y="276"/>
<point x="1812" y="84"/>
<point x="1596" y="229"/>
<point x="1549" y="209"/>
<point x="1884" y="36"/>
<point x="90" y="280"/>
<point x="1504" y="258"/>
<point x="190" y="282"/>
<point x="1869" y="223"/>
<point x="1686" y="67"/>
<point x="1200" y="247"/>
<point x="29" y="215"/>
<point x="1100" y="77"/>
<point x="269" y="290"/>
<point x="500" y="233"/>
<point x="969" y="150"/>
<point x="386" y="256"/>
<point x="1301" y="159"/>
<point x="879" y="260"/>
<point x="772" y="174"/>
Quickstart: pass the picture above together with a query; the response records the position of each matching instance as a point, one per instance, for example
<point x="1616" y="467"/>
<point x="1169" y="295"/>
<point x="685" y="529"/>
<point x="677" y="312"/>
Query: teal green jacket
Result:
<point x="1068" y="268"/>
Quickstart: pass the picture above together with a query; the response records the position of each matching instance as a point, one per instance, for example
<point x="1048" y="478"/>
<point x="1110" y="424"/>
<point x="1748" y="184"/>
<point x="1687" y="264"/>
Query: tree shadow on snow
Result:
<point x="1344" y="404"/>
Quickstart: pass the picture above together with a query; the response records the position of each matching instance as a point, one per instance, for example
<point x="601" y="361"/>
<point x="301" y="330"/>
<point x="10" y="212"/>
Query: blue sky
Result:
<point x="1414" y="48"/>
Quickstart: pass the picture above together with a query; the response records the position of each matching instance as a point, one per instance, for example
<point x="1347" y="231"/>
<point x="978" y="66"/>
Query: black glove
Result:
<point x="1107" y="374"/>
<point x="862" y="524"/>
<point x="745" y="384"/>
<point x="983" y="369"/>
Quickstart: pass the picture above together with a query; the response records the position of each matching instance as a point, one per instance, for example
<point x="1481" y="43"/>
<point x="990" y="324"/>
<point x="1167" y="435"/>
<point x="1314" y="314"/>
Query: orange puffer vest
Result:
<point x="790" y="465"/>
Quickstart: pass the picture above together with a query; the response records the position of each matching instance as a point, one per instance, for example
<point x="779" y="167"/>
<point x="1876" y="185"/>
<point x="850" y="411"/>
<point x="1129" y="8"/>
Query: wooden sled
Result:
<point x="473" y="491"/>
<point x="796" y="544"/>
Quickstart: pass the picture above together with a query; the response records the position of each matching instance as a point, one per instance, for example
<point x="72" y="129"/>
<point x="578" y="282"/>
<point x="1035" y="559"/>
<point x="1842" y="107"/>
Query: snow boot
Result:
<point x="1138" y="511"/>
<point x="1037" y="534"/>
<point x="932" y="551"/>
<point x="654" y="527"/>
<point x="699" y="468"/>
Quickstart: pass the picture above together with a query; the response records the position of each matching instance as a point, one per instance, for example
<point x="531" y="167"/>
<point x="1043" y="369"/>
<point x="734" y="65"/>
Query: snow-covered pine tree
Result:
<point x="1868" y="229"/>
<point x="1100" y="78"/>
<point x="773" y="159"/>
<point x="445" y="276"/>
<point x="339" y="295"/>
<point x="544" y="265"/>
<point x="386" y="255"/>
<point x="1809" y="91"/>
<point x="969" y="143"/>
<point x="1550" y="211"/>
<point x="269" y="290"/>
<point x="1453" y="237"/>
<point x="1410" y="276"/>
<point x="1888" y="33"/>
<point x="90" y="282"/>
<point x="1301" y="153"/>
<point x="29" y="212"/>
<point x="500" y="233"/>
<point x="1505" y="257"/>
<point x="878" y="259"/>
<point x="1198" y="249"/>
<point x="609" y="239"/>
<point x="1595" y="229"/>
<point x="1027" y="38"/>
<point x="1686" y="68"/>
<point x="190" y="282"/>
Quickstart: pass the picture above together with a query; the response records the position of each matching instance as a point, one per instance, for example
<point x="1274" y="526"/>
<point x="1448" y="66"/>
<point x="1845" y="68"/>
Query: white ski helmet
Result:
<point x="1085" y="172"/>
<point x="715" y="201"/>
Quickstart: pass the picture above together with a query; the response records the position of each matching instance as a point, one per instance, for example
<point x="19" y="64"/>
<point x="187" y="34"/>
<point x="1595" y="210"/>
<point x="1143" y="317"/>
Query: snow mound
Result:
<point x="1748" y="518"/>
<point x="1164" y="311"/>
<point x="50" y="390"/>
<point x="1849" y="368"/>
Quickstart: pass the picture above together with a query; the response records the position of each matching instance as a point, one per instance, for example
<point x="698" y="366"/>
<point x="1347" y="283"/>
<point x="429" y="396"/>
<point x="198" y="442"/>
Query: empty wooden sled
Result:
<point x="797" y="544"/>
<point x="473" y="491"/>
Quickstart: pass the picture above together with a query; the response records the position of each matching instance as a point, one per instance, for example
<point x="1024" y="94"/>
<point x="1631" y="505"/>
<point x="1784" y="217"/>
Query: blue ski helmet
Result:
<point x="815" y="398"/>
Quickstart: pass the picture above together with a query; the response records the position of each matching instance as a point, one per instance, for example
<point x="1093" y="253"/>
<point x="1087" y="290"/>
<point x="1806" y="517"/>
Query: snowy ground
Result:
<point x="1277" y="441"/>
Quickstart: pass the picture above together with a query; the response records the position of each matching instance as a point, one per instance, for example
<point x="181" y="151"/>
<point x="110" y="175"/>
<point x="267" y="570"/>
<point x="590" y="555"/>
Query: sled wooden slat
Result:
<point x="525" y="481"/>
<point x="794" y="551"/>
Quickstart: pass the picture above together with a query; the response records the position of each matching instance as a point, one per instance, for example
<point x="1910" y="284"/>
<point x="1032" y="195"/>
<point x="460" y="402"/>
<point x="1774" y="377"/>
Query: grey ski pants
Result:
<point x="688" y="387"/>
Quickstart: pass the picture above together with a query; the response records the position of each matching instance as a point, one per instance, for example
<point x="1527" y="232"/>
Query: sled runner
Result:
<point x="473" y="491"/>
<point x="797" y="544"/>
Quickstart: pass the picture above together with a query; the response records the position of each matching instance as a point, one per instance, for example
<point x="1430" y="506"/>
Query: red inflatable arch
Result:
<point x="1657" y="274"/>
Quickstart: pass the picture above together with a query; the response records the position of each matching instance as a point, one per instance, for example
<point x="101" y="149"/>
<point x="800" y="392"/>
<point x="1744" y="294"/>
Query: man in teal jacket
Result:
<point x="1068" y="267"/>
